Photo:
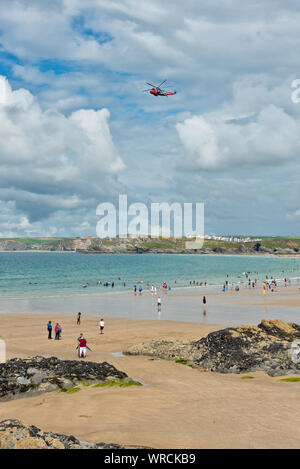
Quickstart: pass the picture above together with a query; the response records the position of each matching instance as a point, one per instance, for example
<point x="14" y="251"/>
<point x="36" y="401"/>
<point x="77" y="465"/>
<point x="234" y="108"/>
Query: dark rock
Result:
<point x="15" y="435"/>
<point x="277" y="328"/>
<point x="271" y="347"/>
<point x="44" y="374"/>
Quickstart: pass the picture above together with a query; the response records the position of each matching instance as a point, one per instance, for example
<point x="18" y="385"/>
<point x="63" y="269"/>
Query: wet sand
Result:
<point x="230" y="308"/>
<point x="178" y="407"/>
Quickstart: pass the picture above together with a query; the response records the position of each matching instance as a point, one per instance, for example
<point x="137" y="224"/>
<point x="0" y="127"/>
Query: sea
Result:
<point x="72" y="282"/>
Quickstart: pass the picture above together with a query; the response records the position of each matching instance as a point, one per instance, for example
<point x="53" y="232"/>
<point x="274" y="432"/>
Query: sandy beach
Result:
<point x="178" y="407"/>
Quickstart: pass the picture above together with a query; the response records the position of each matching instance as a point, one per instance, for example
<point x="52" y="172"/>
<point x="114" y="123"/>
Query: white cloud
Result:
<point x="232" y="65"/>
<point x="50" y="162"/>
<point x="247" y="132"/>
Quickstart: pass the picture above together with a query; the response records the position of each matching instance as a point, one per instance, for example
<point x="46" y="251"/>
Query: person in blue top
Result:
<point x="49" y="329"/>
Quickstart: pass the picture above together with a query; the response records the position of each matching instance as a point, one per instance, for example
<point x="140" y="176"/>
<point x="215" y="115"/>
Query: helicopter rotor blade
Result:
<point x="153" y="86"/>
<point x="162" y="83"/>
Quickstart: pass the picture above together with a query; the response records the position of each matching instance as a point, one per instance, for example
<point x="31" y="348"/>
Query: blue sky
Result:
<point x="76" y="128"/>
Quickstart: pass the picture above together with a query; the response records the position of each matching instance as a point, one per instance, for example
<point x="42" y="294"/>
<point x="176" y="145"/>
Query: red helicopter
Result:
<point x="157" y="91"/>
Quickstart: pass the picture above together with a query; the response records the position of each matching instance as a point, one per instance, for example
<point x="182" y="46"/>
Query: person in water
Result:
<point x="204" y="305"/>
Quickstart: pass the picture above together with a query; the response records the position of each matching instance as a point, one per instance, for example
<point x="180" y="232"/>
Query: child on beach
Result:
<point x="158" y="304"/>
<point x="101" y="325"/>
<point x="78" y="318"/>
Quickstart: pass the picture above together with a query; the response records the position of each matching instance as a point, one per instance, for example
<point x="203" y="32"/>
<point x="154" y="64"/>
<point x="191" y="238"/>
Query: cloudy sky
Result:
<point x="76" y="128"/>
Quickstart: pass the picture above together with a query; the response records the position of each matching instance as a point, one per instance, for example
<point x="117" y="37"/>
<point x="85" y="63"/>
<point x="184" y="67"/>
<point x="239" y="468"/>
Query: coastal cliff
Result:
<point x="289" y="246"/>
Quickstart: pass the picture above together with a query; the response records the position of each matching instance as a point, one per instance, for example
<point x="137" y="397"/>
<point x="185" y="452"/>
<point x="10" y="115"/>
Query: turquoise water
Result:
<point x="32" y="275"/>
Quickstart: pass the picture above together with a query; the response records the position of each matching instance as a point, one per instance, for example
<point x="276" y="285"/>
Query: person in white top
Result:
<point x="101" y="325"/>
<point x="158" y="304"/>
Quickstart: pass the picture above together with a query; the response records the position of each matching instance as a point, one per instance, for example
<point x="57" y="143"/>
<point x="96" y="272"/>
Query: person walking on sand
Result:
<point x="101" y="325"/>
<point x="78" y="318"/>
<point x="49" y="329"/>
<point x="204" y="306"/>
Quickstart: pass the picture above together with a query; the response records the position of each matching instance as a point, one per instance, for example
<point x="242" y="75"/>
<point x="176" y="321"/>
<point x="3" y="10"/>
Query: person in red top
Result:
<point x="82" y="347"/>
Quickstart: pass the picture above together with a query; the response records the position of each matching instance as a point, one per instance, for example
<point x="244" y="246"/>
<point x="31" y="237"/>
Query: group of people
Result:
<point x="82" y="342"/>
<point x="57" y="330"/>
<point x="135" y="289"/>
<point x="105" y="284"/>
<point x="194" y="282"/>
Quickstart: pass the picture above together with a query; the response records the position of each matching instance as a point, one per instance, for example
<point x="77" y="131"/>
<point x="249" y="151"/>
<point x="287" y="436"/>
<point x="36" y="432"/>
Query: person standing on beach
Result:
<point x="49" y="329"/>
<point x="82" y="347"/>
<point x="204" y="306"/>
<point x="158" y="304"/>
<point x="56" y="330"/>
<point x="78" y="318"/>
<point x="101" y="325"/>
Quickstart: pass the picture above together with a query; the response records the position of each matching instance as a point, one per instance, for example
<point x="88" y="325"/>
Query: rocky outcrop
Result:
<point x="280" y="329"/>
<point x="15" y="435"/>
<point x="266" y="347"/>
<point x="26" y="377"/>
